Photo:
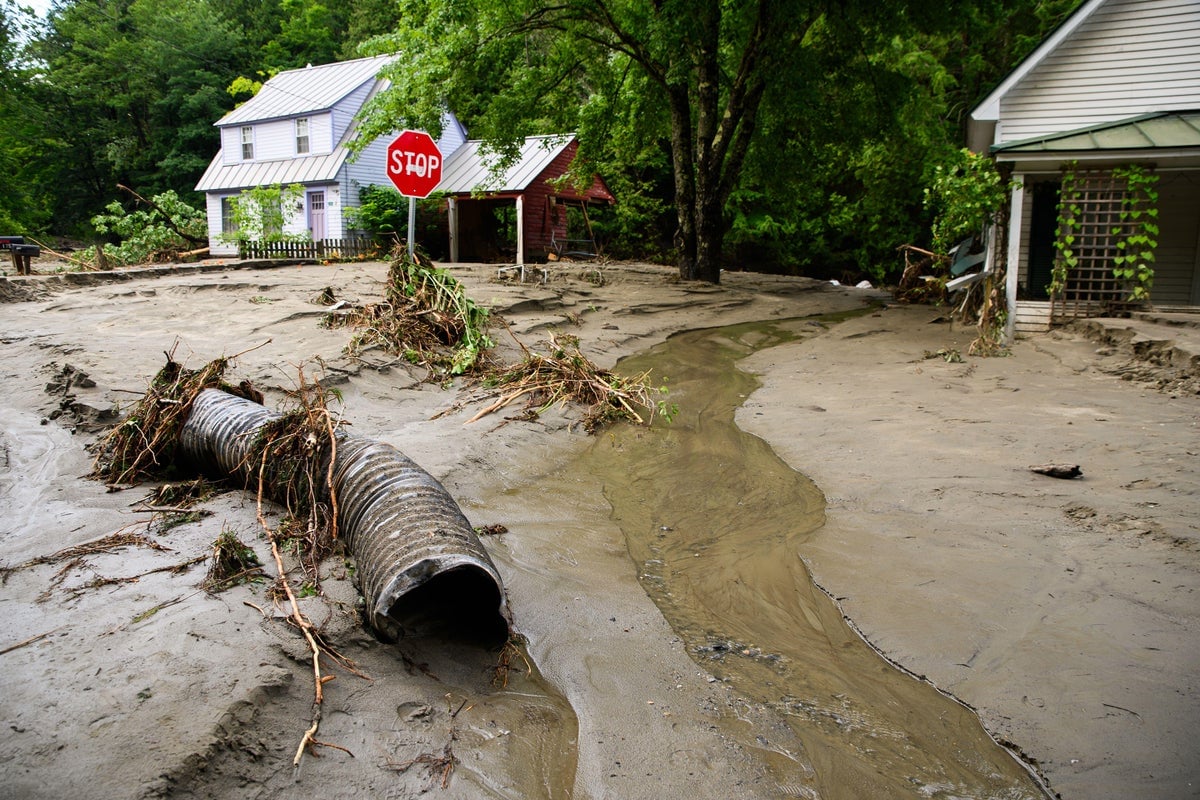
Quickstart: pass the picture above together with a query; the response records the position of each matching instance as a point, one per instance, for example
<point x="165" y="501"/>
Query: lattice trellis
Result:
<point x="1091" y="208"/>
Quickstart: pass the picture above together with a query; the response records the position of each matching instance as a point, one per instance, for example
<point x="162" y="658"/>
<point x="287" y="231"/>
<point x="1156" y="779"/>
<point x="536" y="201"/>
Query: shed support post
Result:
<point x="1014" y="254"/>
<point x="452" y="215"/>
<point x="520" y="229"/>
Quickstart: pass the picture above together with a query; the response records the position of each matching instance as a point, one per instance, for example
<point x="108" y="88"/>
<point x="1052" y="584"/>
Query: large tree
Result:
<point x="505" y="66"/>
<point x="131" y="89"/>
<point x="805" y="124"/>
<point x="28" y="178"/>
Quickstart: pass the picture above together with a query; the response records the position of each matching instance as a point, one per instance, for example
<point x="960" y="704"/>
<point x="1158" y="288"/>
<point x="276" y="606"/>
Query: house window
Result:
<point x="247" y="143"/>
<point x="302" y="136"/>
<point x="228" y="223"/>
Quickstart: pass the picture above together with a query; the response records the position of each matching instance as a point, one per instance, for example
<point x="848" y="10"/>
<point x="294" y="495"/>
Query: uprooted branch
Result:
<point x="294" y="454"/>
<point x="106" y="544"/>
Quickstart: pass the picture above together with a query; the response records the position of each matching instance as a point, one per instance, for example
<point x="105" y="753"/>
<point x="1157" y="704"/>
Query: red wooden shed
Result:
<point x="533" y="190"/>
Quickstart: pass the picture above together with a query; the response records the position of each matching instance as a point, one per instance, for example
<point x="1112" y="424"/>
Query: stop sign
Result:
<point x="414" y="163"/>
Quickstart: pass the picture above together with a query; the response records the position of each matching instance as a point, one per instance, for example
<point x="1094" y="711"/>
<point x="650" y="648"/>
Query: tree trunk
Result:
<point x="710" y="234"/>
<point x="683" y="163"/>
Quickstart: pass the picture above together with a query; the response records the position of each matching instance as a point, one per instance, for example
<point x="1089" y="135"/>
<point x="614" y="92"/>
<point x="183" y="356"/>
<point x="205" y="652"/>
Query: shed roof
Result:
<point x="307" y="90"/>
<point x="1157" y="131"/>
<point x="469" y="169"/>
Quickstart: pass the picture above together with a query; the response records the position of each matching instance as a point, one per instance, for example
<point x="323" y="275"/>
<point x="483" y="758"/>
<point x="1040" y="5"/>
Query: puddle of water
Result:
<point x="714" y="519"/>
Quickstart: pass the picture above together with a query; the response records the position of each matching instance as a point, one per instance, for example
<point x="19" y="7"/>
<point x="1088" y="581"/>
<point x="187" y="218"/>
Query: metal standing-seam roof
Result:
<point x="1156" y="131"/>
<point x="469" y="170"/>
<point x="284" y="171"/>
<point x="304" y="91"/>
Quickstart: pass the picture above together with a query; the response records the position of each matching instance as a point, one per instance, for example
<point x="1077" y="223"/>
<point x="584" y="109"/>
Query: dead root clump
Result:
<point x="233" y="562"/>
<point x="425" y="317"/>
<point x="145" y="444"/>
<point x="513" y="648"/>
<point x="439" y="766"/>
<point x="924" y="277"/>
<point x="565" y="375"/>
<point x="180" y="496"/>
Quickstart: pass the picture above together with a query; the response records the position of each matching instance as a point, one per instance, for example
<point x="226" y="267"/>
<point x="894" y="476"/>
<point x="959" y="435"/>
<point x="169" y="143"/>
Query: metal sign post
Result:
<point x="414" y="166"/>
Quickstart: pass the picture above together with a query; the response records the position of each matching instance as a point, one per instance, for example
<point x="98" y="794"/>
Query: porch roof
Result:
<point x="1163" y="130"/>
<point x="285" y="171"/>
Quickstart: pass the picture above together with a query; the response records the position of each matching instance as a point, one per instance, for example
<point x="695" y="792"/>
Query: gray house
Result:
<point x="1118" y="83"/>
<point x="296" y="131"/>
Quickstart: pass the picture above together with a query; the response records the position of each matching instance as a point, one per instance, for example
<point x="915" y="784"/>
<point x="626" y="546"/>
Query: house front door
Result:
<point x="1043" y="222"/>
<point x="316" y="215"/>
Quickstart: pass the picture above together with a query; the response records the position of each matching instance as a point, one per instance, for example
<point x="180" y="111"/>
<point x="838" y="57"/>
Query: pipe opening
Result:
<point x="448" y="606"/>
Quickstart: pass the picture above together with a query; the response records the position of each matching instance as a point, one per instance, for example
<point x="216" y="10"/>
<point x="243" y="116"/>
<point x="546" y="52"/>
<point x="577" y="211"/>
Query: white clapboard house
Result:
<point x="1118" y="83"/>
<point x="296" y="131"/>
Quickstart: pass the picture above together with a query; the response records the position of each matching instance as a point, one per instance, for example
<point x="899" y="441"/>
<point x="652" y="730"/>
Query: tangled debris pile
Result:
<point x="144" y="446"/>
<point x="293" y="457"/>
<point x="565" y="375"/>
<point x="233" y="562"/>
<point x="426" y="317"/>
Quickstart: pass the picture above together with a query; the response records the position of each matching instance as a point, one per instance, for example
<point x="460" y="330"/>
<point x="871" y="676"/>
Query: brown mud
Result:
<point x="1063" y="611"/>
<point x="715" y="520"/>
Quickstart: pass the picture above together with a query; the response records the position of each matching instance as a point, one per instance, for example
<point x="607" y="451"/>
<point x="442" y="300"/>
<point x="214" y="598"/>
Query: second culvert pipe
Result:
<point x="421" y="567"/>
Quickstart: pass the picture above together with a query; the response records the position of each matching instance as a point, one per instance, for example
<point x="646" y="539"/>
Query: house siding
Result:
<point x="216" y="247"/>
<point x="368" y="169"/>
<point x="231" y="144"/>
<point x="274" y="140"/>
<point x="542" y="223"/>
<point x="343" y="112"/>
<point x="320" y="134"/>
<point x="1026" y="219"/>
<point x="1128" y="58"/>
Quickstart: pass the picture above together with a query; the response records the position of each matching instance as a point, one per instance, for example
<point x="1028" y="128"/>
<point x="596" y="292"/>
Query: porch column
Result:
<point x="520" y="229"/>
<point x="452" y="214"/>
<point x="1014" y="254"/>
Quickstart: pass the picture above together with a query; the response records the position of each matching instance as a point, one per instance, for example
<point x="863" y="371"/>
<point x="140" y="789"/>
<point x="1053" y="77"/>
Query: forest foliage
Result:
<point x="806" y="131"/>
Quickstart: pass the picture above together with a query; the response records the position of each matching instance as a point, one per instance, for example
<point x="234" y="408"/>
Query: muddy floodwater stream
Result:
<point x="715" y="523"/>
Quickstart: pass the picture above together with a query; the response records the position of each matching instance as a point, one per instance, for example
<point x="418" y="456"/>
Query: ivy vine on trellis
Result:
<point x="1070" y="225"/>
<point x="1139" y="219"/>
<point x="1136" y="231"/>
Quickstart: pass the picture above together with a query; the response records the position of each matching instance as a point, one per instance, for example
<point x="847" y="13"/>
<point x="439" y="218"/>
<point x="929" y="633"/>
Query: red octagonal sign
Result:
<point x="414" y="163"/>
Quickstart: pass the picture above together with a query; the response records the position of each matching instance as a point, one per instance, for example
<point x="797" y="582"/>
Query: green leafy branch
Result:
<point x="966" y="193"/>
<point x="1135" y="234"/>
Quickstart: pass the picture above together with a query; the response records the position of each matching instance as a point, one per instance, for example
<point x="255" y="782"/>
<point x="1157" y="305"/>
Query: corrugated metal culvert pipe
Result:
<point x="421" y="568"/>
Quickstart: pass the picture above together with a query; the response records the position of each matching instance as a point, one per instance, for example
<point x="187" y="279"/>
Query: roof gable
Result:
<point x="1112" y="60"/>
<point x="989" y="107"/>
<point x="304" y="91"/>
